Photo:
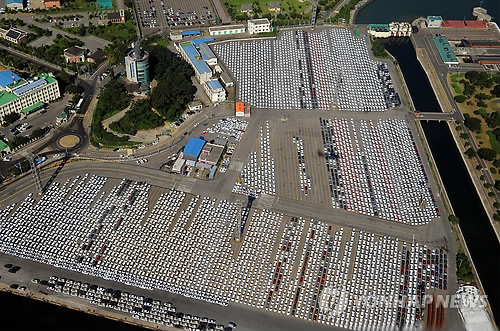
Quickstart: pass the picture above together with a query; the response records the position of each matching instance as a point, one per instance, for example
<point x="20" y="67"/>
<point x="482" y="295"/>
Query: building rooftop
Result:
<point x="31" y="86"/>
<point x="445" y="50"/>
<point x="275" y="5"/>
<point x="3" y="145"/>
<point x="197" y="43"/>
<point x="97" y="55"/>
<point x="15" y="33"/>
<point x="194" y="147"/>
<point x="207" y="51"/>
<point x="74" y="51"/>
<point x="379" y="27"/>
<point x="435" y="18"/>
<point x="195" y="58"/>
<point x="14" y="1"/>
<point x="7" y="77"/>
<point x="259" y="21"/>
<point x="6" y="97"/>
<point x="214" y="84"/>
<point x="33" y="107"/>
<point x="246" y="7"/>
<point x="191" y="33"/>
<point x="226" y="27"/>
<point x="225" y="78"/>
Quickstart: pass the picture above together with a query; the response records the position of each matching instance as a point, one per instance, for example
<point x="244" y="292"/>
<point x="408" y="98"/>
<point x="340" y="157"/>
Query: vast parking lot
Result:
<point x="355" y="165"/>
<point x="149" y="237"/>
<point x="175" y="13"/>
<point x="330" y="69"/>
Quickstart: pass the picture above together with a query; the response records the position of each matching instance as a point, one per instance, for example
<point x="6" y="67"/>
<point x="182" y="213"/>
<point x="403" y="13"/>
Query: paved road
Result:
<point x="34" y="59"/>
<point x="91" y="42"/>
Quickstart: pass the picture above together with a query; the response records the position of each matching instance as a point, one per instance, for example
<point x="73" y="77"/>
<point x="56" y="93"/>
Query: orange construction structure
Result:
<point x="240" y="109"/>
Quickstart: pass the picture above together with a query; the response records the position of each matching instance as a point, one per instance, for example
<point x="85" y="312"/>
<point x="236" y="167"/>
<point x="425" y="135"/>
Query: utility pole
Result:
<point x="238" y="220"/>
<point x="35" y="172"/>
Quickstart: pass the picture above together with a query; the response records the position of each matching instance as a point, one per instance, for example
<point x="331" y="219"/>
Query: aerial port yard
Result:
<point x="327" y="198"/>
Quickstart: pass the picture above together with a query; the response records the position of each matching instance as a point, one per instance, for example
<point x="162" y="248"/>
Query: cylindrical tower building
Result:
<point x="137" y="66"/>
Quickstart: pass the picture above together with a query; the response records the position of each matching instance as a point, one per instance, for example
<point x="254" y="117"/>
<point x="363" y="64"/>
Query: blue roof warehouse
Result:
<point x="193" y="148"/>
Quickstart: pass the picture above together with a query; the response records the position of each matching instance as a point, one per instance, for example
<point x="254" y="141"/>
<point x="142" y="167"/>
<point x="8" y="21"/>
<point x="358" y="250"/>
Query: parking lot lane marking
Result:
<point x="309" y="159"/>
<point x="279" y="161"/>
<point x="294" y="168"/>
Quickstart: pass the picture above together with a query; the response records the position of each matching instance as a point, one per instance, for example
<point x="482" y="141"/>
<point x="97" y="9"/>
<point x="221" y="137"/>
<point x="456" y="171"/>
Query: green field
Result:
<point x="125" y="32"/>
<point x="287" y="6"/>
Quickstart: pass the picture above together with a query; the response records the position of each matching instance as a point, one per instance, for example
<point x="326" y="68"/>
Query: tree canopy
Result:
<point x="174" y="90"/>
<point x="487" y="154"/>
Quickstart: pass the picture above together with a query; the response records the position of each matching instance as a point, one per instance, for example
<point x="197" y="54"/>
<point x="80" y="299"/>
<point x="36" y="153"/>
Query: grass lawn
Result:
<point x="119" y="31"/>
<point x="286" y="5"/>
<point x="162" y="42"/>
<point x="485" y="138"/>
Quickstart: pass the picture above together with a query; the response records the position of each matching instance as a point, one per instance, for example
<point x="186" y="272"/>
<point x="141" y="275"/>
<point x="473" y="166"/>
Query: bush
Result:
<point x="497" y="184"/>
<point x="464" y="267"/>
<point x="460" y="98"/>
<point x="493" y="170"/>
<point x="10" y="118"/>
<point x="453" y="219"/>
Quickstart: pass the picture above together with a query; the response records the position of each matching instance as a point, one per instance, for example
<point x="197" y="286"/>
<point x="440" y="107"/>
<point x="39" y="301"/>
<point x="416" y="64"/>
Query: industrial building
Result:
<point x="226" y="80"/>
<point x="175" y="35"/>
<point x="260" y="25"/>
<point x="445" y="50"/>
<point x="210" y="154"/>
<point x="19" y="95"/>
<point x="481" y="43"/>
<point x="242" y="110"/>
<point x="137" y="66"/>
<point x="434" y="22"/>
<point x="74" y="54"/>
<point x="214" y="90"/>
<point x="193" y="149"/>
<point x="465" y="24"/>
<point x="394" y="29"/>
<point x="207" y="54"/>
<point x="192" y="56"/>
<point x="226" y="29"/>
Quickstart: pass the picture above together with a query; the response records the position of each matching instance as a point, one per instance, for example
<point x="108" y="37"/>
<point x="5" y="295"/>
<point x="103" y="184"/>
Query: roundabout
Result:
<point x="69" y="141"/>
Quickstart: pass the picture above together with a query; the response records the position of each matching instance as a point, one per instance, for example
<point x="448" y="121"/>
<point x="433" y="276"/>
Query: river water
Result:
<point x="476" y="227"/>
<point x="386" y="11"/>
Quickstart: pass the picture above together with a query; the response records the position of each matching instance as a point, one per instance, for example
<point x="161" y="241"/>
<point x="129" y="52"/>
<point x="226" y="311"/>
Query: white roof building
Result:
<point x="226" y="29"/>
<point x="260" y="25"/>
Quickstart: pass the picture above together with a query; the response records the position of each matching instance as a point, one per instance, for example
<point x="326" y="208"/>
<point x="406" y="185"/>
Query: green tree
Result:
<point x="496" y="91"/>
<point x="470" y="153"/>
<point x="473" y="123"/>
<point x="460" y="98"/>
<point x="487" y="154"/>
